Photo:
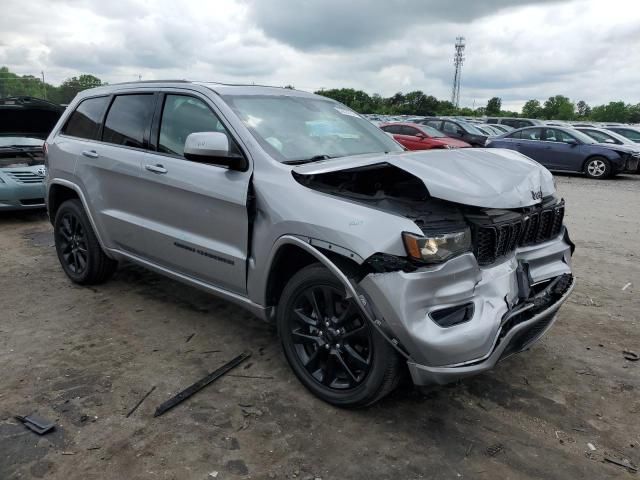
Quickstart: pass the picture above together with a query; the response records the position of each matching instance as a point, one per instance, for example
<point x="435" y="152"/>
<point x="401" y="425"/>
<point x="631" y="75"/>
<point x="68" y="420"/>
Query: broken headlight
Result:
<point x="436" y="248"/>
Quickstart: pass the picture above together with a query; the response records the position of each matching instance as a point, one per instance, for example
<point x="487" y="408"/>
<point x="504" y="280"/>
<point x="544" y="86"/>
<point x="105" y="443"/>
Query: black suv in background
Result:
<point x="457" y="129"/>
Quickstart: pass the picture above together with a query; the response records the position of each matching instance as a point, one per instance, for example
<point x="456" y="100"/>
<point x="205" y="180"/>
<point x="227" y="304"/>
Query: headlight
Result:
<point x="438" y="247"/>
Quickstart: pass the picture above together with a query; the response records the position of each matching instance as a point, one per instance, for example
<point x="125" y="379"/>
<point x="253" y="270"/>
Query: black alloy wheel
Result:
<point x="77" y="246"/>
<point x="331" y="347"/>
<point x="330" y="337"/>
<point x="73" y="243"/>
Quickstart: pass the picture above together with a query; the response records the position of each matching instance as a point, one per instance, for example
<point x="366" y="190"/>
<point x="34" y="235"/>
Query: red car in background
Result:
<point x="415" y="136"/>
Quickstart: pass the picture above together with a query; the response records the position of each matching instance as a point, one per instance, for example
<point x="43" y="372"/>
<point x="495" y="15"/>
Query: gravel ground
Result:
<point x="84" y="356"/>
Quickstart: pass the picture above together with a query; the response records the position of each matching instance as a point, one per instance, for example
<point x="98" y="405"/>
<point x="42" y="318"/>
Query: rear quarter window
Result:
<point x="84" y="122"/>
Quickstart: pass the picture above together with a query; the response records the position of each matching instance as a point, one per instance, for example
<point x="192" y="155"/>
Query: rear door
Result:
<point x="108" y="165"/>
<point x="195" y="217"/>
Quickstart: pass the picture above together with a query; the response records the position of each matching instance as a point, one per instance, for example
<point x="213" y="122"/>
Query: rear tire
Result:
<point x="78" y="249"/>
<point x="335" y="352"/>
<point x="598" y="168"/>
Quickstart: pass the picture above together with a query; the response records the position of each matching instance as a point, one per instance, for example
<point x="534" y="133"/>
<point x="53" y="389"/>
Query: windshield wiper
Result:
<point x="315" y="158"/>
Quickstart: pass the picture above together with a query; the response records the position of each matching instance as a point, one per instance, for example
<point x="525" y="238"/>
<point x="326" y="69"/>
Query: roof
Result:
<point x="219" y="88"/>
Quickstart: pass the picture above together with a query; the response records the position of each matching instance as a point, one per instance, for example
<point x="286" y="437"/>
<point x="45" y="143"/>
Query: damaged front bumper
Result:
<point x="502" y="320"/>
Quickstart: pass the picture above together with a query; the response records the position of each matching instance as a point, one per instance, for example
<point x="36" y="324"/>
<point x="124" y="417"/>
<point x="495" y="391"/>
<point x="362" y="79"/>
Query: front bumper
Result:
<point x="404" y="302"/>
<point x="21" y="190"/>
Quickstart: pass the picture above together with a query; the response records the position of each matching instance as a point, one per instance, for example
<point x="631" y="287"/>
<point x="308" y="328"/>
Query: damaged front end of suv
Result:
<point x="485" y="264"/>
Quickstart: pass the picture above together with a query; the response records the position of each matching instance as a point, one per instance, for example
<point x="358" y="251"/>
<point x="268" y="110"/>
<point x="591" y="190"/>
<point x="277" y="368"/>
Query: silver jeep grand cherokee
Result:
<point x="370" y="259"/>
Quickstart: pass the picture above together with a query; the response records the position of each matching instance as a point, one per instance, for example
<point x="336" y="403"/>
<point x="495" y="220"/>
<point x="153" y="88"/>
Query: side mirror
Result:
<point x="572" y="141"/>
<point x="213" y="148"/>
<point x="420" y="135"/>
<point x="460" y="132"/>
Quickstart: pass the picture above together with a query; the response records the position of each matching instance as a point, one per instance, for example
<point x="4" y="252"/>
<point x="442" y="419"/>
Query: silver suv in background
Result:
<point x="370" y="259"/>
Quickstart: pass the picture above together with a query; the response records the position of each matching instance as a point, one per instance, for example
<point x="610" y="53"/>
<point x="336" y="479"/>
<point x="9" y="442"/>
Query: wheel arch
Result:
<point x="60" y="190"/>
<point x="291" y="253"/>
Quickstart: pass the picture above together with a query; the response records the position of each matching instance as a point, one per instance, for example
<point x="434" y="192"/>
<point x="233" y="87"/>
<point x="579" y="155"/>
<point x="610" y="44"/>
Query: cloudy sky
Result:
<point x="516" y="49"/>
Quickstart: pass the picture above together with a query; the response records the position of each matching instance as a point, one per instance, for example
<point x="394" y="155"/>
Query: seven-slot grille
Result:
<point x="25" y="177"/>
<point x="494" y="241"/>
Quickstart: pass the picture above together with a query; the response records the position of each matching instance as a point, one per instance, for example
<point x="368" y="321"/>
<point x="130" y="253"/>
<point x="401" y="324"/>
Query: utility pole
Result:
<point x="458" y="60"/>
<point x="44" y="86"/>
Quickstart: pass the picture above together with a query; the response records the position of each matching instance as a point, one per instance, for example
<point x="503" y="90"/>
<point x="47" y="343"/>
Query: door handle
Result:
<point x="90" y="153"/>
<point x="518" y="144"/>
<point x="156" y="168"/>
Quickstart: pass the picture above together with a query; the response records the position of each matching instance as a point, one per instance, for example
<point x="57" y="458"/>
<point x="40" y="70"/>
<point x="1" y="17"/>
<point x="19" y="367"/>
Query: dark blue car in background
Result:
<point x="566" y="149"/>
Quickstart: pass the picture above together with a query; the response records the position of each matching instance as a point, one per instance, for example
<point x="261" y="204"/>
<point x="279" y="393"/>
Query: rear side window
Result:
<point x="182" y="116"/>
<point x="84" y="122"/>
<point x="128" y="120"/>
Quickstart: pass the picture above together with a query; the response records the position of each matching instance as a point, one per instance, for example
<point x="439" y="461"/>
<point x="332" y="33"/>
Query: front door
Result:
<point x="560" y="153"/>
<point x="196" y="219"/>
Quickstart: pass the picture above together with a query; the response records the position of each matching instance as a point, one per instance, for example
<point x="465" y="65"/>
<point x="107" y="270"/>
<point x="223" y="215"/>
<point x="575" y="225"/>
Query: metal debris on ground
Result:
<point x="622" y="463"/>
<point x="626" y="286"/>
<point x="631" y="356"/>
<point x="135" y="407"/>
<point x="213" y="474"/>
<point x="591" y="446"/>
<point x="189" y="338"/>
<point x="36" y="424"/>
<point x="200" y="384"/>
<point x="494" y="450"/>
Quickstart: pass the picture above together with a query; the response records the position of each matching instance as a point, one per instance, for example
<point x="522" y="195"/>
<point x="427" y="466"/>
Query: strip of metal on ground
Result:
<point x="200" y="384"/>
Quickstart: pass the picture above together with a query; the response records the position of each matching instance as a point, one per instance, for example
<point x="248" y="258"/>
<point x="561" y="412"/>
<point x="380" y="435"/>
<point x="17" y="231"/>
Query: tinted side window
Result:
<point x="84" y="122"/>
<point x="181" y="116"/>
<point x="449" y="127"/>
<point x="409" y="131"/>
<point x="631" y="134"/>
<point x="516" y="134"/>
<point x="531" y="134"/>
<point x="128" y="120"/>
<point x="393" y="129"/>
<point x="555" y="135"/>
<point x="437" y="124"/>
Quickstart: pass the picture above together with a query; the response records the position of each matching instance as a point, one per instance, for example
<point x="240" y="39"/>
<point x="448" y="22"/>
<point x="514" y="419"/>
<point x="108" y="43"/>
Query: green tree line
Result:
<point x="12" y="85"/>
<point x="557" y="107"/>
<point x="417" y="102"/>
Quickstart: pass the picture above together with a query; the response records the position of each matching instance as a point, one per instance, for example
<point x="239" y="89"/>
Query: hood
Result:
<point x="620" y="148"/>
<point x="28" y="117"/>
<point x="488" y="178"/>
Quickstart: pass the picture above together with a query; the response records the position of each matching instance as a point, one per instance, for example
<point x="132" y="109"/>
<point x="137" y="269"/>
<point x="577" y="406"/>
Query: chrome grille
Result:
<point x="25" y="177"/>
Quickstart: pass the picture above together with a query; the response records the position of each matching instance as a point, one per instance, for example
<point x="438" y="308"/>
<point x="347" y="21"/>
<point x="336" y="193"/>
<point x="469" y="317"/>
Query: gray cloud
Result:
<point x="585" y="49"/>
<point x="312" y="24"/>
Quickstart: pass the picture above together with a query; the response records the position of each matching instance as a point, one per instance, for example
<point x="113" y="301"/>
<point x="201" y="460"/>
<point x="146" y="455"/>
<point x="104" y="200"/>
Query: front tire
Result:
<point x="333" y="350"/>
<point x="598" y="168"/>
<point x="78" y="249"/>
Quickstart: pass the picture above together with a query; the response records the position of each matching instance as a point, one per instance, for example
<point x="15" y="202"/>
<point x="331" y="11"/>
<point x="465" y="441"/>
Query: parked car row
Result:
<point x="572" y="150"/>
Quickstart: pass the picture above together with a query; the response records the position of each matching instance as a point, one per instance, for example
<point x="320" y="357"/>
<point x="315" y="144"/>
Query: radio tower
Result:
<point x="458" y="60"/>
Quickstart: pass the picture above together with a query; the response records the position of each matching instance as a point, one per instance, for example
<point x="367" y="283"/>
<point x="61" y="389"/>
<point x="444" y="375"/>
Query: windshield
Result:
<point x="298" y="129"/>
<point x="432" y="132"/>
<point x="470" y="128"/>
<point x="584" y="138"/>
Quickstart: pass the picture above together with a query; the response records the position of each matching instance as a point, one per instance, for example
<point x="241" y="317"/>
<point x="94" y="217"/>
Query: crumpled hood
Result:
<point x="489" y="178"/>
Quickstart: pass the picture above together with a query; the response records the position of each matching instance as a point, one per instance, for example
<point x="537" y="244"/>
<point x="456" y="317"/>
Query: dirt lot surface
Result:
<point x="83" y="357"/>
